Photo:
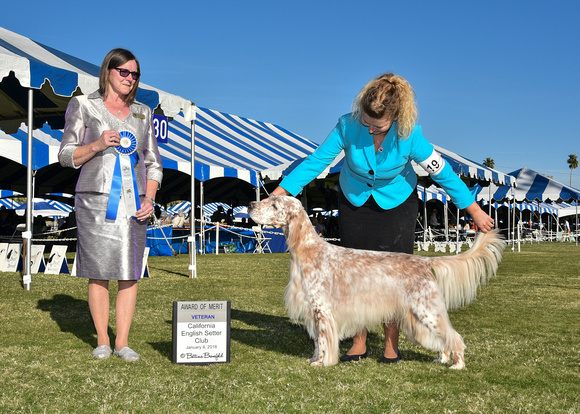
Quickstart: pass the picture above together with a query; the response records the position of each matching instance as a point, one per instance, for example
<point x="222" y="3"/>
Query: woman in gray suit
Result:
<point x="109" y="136"/>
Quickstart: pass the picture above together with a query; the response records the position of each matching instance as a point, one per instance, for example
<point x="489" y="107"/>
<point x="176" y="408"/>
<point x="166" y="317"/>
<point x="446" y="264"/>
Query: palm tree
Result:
<point x="489" y="162"/>
<point x="572" y="163"/>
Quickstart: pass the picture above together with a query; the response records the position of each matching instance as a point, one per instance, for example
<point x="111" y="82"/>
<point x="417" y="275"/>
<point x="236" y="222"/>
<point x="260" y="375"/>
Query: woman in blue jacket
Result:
<point x="378" y="202"/>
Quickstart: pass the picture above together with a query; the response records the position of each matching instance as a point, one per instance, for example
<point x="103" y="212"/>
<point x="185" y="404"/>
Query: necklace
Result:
<point x="116" y="107"/>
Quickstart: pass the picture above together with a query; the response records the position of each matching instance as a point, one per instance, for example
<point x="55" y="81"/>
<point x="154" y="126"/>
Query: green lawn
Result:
<point x="522" y="336"/>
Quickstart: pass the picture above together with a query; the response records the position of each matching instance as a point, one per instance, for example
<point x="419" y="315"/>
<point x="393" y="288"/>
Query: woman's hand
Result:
<point x="480" y="218"/>
<point x="146" y="210"/>
<point x="279" y="191"/>
<point x="107" y="139"/>
<point x="110" y="138"/>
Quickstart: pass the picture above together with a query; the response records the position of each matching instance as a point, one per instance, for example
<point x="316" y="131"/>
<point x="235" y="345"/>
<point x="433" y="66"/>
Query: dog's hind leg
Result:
<point x="326" y="342"/>
<point x="458" y="352"/>
<point x="435" y="332"/>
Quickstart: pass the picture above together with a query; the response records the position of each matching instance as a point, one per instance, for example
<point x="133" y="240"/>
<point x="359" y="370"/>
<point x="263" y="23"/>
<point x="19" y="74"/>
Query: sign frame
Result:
<point x="201" y="332"/>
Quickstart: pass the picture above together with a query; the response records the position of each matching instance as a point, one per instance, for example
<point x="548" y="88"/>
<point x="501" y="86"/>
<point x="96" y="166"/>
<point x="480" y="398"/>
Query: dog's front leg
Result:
<point x="326" y="341"/>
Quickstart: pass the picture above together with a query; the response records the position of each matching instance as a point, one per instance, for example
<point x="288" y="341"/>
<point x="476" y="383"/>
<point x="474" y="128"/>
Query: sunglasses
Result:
<point x="125" y="72"/>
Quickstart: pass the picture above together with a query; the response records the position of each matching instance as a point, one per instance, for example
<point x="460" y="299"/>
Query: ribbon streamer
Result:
<point x="124" y="179"/>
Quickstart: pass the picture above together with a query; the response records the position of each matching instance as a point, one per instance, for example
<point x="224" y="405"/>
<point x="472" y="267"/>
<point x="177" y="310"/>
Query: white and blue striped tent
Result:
<point x="9" y="203"/>
<point x="567" y="209"/>
<point x="540" y="208"/>
<point x="47" y="208"/>
<point x="45" y="146"/>
<point x="432" y="193"/>
<point x="230" y="146"/>
<point x="184" y="205"/>
<point x="211" y="208"/>
<point x="226" y="145"/>
<point x="532" y="186"/>
<point x="54" y="76"/>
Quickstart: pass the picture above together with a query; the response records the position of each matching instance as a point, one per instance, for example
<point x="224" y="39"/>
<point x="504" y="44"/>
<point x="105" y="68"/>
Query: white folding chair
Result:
<point x="262" y="242"/>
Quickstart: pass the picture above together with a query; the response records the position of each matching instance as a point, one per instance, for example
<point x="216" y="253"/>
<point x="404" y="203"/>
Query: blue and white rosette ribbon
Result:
<point x="124" y="178"/>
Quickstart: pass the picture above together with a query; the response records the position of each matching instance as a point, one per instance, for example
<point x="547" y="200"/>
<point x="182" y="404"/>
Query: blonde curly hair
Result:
<point x="388" y="96"/>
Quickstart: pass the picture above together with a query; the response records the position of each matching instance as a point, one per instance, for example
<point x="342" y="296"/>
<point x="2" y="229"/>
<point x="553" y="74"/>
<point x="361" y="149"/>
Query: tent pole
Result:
<point x="202" y="217"/>
<point x="457" y="233"/>
<point x="425" y="229"/>
<point x="489" y="187"/>
<point x="446" y="212"/>
<point x="27" y="234"/>
<point x="192" y="249"/>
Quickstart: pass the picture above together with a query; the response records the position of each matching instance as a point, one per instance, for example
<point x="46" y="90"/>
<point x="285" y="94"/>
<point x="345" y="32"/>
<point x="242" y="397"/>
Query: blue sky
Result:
<point x="494" y="79"/>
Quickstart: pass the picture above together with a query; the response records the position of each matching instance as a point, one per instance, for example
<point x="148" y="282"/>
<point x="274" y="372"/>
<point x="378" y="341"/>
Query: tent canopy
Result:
<point x="46" y="208"/>
<point x="230" y="146"/>
<point x="55" y="77"/>
<point x="532" y="186"/>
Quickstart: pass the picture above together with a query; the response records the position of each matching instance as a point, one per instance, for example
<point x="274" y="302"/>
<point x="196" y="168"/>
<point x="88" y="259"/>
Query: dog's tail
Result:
<point x="459" y="276"/>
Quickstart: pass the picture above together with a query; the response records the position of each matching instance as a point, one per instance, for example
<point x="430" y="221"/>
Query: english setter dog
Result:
<point x="337" y="292"/>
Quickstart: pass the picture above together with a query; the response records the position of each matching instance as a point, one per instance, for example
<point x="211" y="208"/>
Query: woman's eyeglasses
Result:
<point x="125" y="72"/>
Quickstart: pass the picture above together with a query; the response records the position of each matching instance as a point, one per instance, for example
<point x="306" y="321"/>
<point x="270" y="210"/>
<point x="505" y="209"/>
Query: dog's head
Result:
<point x="275" y="210"/>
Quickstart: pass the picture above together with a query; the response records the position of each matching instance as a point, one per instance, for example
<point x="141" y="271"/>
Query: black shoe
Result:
<point x="385" y="360"/>
<point x="352" y="358"/>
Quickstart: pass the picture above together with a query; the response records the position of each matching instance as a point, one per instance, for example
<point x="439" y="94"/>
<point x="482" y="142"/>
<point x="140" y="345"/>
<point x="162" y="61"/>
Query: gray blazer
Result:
<point x="86" y="118"/>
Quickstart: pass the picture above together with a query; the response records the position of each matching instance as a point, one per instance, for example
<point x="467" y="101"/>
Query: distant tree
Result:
<point x="489" y="162"/>
<point x="572" y="163"/>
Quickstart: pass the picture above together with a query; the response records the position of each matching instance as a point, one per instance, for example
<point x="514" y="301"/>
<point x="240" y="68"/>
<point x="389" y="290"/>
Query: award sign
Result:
<point x="57" y="262"/>
<point x="201" y="332"/>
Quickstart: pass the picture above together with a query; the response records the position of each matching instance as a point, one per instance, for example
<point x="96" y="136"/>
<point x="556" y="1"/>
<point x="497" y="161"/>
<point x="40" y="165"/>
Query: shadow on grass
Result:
<point x="267" y="332"/>
<point x="278" y="334"/>
<point x="72" y="315"/>
<point x="171" y="272"/>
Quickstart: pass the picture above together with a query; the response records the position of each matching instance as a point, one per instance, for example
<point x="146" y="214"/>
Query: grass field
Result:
<point x="522" y="336"/>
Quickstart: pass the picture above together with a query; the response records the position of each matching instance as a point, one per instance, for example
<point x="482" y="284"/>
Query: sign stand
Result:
<point x="201" y="332"/>
<point x="13" y="258"/>
<point x="57" y="261"/>
<point x="37" y="264"/>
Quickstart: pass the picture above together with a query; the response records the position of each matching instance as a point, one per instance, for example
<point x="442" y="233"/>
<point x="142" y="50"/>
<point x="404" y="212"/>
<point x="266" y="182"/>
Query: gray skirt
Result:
<point x="106" y="249"/>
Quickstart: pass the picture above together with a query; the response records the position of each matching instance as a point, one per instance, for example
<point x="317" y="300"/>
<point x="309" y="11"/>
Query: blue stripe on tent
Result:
<point x="268" y="130"/>
<point x="64" y="82"/>
<point x="148" y="97"/>
<point x="40" y="150"/>
<point x="218" y="131"/>
<point x="9" y="204"/>
<point x="224" y="153"/>
<point x="244" y="131"/>
<point x="74" y="61"/>
<point x="55" y="133"/>
<point x="267" y="143"/>
<point x="538" y="186"/>
<point x="312" y="146"/>
<point x="211" y="208"/>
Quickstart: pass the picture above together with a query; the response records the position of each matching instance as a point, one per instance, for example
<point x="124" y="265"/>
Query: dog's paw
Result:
<point x="443" y="358"/>
<point x="459" y="365"/>
<point x="316" y="363"/>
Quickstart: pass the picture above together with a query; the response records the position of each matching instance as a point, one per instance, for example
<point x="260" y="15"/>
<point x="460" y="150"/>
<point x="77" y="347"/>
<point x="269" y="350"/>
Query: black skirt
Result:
<point x="370" y="227"/>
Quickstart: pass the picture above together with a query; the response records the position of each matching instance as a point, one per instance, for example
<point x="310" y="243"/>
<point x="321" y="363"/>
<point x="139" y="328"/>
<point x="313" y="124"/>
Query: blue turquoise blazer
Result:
<point x="387" y="175"/>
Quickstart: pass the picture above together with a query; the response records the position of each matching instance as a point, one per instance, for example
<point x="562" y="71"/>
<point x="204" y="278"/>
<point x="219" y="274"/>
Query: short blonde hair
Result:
<point x="114" y="59"/>
<point x="388" y="96"/>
